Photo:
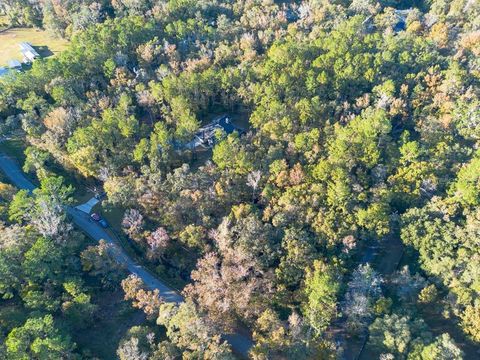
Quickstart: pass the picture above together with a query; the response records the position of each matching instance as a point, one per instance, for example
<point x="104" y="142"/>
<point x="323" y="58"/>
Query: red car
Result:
<point x="95" y="217"/>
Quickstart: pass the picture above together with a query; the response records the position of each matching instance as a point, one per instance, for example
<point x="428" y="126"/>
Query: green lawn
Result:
<point x="45" y="43"/>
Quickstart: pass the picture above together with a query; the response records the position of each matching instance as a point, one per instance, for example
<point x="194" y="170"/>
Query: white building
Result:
<point x="29" y="53"/>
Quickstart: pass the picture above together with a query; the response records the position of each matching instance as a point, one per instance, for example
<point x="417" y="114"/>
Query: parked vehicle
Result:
<point x="95" y="217"/>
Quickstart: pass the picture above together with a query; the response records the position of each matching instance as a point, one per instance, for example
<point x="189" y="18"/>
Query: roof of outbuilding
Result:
<point x="29" y="54"/>
<point x="26" y="46"/>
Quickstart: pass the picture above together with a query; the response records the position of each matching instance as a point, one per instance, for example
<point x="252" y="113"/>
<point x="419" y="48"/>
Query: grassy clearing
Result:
<point x="45" y="43"/>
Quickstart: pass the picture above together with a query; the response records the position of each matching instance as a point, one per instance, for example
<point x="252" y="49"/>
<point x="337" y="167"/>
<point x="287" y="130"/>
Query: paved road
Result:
<point x="239" y="343"/>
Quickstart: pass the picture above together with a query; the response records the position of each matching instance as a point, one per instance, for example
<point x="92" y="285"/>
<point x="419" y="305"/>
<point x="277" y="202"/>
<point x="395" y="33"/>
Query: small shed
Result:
<point x="29" y="53"/>
<point x="27" y="47"/>
<point x="29" y="56"/>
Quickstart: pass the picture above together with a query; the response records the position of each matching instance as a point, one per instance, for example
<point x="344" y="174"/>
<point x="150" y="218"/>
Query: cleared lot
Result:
<point x="45" y="44"/>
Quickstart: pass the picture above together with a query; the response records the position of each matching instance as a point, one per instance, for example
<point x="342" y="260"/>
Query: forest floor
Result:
<point x="110" y="326"/>
<point x="385" y="262"/>
<point x="390" y="259"/>
<point x="384" y="257"/>
<point x="438" y="324"/>
<point x="45" y="43"/>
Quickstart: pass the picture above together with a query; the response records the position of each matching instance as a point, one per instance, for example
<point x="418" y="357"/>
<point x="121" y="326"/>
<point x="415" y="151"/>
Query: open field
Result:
<point x="45" y="43"/>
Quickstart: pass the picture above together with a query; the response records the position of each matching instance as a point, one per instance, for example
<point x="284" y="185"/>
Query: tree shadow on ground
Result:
<point x="44" y="51"/>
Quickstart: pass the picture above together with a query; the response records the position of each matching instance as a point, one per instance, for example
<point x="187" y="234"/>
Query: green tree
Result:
<point x="322" y="284"/>
<point x="467" y="186"/>
<point x="443" y="348"/>
<point x="397" y="335"/>
<point x="190" y="332"/>
<point x="471" y="321"/>
<point x="38" y="338"/>
<point x="21" y="206"/>
<point x="230" y="154"/>
<point x="78" y="308"/>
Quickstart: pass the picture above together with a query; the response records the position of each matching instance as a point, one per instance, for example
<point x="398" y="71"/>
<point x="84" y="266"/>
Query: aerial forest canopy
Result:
<point x="343" y="220"/>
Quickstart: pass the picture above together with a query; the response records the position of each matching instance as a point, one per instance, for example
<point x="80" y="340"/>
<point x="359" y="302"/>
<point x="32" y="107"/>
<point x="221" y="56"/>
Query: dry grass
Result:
<point x="45" y="43"/>
<point x="3" y="22"/>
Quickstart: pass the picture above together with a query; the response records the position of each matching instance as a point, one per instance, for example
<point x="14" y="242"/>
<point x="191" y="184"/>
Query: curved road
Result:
<point x="240" y="344"/>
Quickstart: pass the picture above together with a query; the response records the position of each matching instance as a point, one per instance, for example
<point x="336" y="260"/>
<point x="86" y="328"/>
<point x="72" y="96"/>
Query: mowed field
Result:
<point x="45" y="43"/>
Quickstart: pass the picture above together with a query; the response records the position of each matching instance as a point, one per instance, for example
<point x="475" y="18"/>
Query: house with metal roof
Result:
<point x="28" y="52"/>
<point x="26" y="47"/>
<point x="28" y="56"/>
<point x="206" y="136"/>
<point x="400" y="24"/>
<point x="401" y="16"/>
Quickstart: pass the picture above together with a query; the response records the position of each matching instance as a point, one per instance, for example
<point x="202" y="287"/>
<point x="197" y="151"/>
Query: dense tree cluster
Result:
<point x="41" y="281"/>
<point x="189" y="334"/>
<point x="404" y="338"/>
<point x="363" y="125"/>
